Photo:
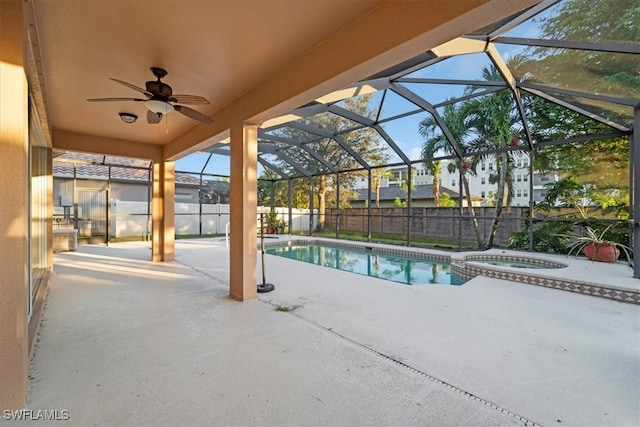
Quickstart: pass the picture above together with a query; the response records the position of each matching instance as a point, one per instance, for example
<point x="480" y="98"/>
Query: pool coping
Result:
<point x="466" y="266"/>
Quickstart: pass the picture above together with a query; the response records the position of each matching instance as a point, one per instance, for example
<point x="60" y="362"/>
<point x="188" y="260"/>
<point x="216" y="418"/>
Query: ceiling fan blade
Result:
<point x="190" y="99"/>
<point x="153" y="118"/>
<point x="114" y="99"/>
<point x="134" y="87"/>
<point x="190" y="112"/>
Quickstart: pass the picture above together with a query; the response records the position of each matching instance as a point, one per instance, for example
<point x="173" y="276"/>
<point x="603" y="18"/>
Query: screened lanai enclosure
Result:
<point x="520" y="134"/>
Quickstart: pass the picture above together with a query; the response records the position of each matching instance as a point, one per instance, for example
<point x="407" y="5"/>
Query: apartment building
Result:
<point x="479" y="184"/>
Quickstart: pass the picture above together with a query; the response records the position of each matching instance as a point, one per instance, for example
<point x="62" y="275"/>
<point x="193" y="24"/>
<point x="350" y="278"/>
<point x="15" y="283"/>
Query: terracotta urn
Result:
<point x="603" y="252"/>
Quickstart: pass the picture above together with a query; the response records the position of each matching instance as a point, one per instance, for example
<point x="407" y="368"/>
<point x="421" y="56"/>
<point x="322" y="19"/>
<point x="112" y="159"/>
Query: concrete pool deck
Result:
<point x="128" y="342"/>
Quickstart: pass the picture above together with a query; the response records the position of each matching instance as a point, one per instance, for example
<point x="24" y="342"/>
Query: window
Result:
<point x="518" y="193"/>
<point x="544" y="178"/>
<point x="453" y="182"/>
<point x="484" y="166"/>
<point x="519" y="178"/>
<point x="482" y="180"/>
<point x="482" y="194"/>
<point x="525" y="193"/>
<point x="525" y="178"/>
<point x="490" y="166"/>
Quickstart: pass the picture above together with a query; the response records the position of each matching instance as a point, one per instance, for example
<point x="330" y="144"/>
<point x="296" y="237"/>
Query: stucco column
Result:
<point x="163" y="211"/>
<point x="243" y="200"/>
<point x="14" y="212"/>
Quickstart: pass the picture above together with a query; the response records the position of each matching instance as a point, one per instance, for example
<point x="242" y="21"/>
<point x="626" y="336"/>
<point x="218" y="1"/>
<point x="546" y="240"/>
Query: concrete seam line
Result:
<point x="525" y="421"/>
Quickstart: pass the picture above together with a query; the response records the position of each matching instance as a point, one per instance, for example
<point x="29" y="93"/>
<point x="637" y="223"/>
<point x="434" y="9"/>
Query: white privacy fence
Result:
<point x="132" y="219"/>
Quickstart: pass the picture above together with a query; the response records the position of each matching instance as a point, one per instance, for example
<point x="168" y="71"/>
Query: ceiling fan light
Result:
<point x="158" y="106"/>
<point x="128" y="117"/>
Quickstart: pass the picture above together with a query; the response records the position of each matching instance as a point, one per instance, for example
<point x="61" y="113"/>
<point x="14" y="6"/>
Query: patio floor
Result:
<point x="125" y="341"/>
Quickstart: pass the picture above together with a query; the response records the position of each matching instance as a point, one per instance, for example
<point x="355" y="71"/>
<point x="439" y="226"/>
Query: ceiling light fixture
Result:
<point x="128" y="117"/>
<point x="158" y="106"/>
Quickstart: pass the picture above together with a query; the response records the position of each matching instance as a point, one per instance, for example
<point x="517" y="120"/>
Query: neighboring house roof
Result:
<point x="92" y="166"/>
<point x="424" y="191"/>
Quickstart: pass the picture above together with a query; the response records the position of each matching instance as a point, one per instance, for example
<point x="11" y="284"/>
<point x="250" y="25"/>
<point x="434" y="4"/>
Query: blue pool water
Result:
<point x="401" y="269"/>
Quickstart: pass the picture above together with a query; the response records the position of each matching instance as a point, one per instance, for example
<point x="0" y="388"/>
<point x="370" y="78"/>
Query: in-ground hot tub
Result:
<point x="514" y="267"/>
<point x="513" y="261"/>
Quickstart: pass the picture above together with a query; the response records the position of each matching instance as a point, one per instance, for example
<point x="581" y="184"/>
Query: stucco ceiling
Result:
<point x="216" y="49"/>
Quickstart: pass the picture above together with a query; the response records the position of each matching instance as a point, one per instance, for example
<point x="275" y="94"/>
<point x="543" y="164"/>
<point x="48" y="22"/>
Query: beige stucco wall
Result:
<point x="14" y="211"/>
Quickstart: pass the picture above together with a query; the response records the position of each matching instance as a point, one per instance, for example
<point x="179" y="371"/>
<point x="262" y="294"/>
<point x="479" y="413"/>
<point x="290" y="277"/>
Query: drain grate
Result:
<point x="525" y="421"/>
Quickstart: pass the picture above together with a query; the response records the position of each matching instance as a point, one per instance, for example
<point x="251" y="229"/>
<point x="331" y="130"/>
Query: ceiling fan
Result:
<point x="160" y="99"/>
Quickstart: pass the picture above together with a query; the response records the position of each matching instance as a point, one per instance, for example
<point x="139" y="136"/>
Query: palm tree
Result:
<point x="494" y="122"/>
<point x="406" y="185"/>
<point x="378" y="174"/>
<point x="435" y="141"/>
<point x="435" y="169"/>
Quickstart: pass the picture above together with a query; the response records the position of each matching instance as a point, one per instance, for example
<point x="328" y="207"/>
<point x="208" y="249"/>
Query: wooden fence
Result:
<point x="428" y="222"/>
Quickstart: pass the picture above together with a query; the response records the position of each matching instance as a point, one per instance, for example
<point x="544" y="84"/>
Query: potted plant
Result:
<point x="597" y="248"/>
<point x="273" y="223"/>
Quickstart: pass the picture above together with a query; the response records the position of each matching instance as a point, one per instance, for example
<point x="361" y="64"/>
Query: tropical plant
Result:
<point x="435" y="141"/>
<point x="446" y="201"/>
<point x="596" y="241"/>
<point x="407" y="185"/>
<point x="377" y="175"/>
<point x="435" y="170"/>
<point x="495" y="124"/>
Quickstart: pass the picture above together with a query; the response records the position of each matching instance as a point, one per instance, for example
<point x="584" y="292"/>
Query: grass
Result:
<point x="285" y="308"/>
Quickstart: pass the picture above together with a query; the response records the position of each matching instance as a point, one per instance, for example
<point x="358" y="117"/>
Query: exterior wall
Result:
<point x="427" y="222"/>
<point x="14" y="210"/>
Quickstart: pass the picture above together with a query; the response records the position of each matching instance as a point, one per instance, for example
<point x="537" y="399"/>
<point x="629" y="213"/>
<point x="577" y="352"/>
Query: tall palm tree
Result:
<point x="378" y="174"/>
<point x="435" y="141"/>
<point x="435" y="169"/>
<point x="494" y="122"/>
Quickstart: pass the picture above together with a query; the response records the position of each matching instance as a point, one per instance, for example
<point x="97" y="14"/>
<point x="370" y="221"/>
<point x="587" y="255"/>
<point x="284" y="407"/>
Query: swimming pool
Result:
<point x="400" y="268"/>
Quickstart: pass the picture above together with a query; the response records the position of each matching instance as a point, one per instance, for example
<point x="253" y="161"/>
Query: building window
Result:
<point x="544" y="178"/>
<point x="519" y="178"/>
<point x="490" y="166"/>
<point x="482" y="180"/>
<point x="453" y="182"/>
<point x="525" y="193"/>
<point x="482" y="194"/>
<point x="518" y="193"/>
<point x="525" y="178"/>
<point x="484" y="165"/>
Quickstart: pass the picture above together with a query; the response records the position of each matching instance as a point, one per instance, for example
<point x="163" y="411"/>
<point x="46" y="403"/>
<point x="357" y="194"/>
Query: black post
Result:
<point x="337" y="205"/>
<point x="369" y="207"/>
<point x="634" y="142"/>
<point x="263" y="287"/>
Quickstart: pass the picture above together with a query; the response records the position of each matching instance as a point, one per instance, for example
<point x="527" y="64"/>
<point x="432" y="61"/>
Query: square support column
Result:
<point x="243" y="199"/>
<point x="163" y="212"/>
<point x="14" y="211"/>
